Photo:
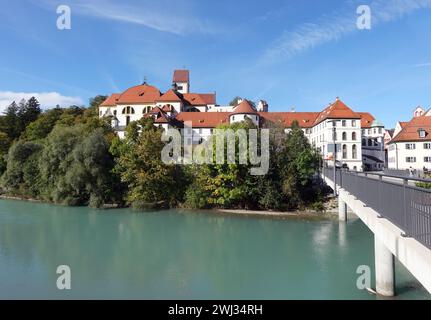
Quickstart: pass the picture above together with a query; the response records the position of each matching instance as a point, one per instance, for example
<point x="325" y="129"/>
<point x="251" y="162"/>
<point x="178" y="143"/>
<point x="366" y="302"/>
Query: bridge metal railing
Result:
<point x="393" y="197"/>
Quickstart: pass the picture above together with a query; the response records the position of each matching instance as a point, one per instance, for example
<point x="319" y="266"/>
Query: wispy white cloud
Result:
<point x="422" y="65"/>
<point x="46" y="99"/>
<point x="172" y="17"/>
<point x="336" y="26"/>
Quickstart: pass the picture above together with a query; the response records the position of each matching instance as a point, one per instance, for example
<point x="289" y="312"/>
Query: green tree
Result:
<point x="10" y="122"/>
<point x="21" y="176"/>
<point x="149" y="181"/>
<point x="40" y="128"/>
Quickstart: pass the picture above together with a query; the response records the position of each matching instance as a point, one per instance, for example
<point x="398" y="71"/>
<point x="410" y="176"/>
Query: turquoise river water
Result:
<point x="122" y="254"/>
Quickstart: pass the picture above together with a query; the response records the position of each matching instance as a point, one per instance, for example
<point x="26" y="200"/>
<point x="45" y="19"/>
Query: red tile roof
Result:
<point x="366" y="119"/>
<point x="111" y="101"/>
<point x="204" y="119"/>
<point x="304" y="119"/>
<point x="337" y="110"/>
<point x="139" y="95"/>
<point x="244" y="108"/>
<point x="410" y="132"/>
<point x="169" y="96"/>
<point x="181" y="76"/>
<point x="199" y="99"/>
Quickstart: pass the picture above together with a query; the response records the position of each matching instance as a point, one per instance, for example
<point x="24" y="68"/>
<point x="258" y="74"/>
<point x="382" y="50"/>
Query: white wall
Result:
<point x="398" y="153"/>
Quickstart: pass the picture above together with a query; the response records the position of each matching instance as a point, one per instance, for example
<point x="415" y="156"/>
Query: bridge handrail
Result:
<point x="393" y="176"/>
<point x="406" y="206"/>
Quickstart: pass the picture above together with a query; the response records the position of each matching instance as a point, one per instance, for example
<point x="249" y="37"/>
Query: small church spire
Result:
<point x="145" y="80"/>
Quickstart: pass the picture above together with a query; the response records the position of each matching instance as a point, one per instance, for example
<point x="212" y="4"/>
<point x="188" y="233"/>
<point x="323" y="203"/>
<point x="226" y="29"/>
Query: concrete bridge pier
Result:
<point x="342" y="209"/>
<point x="385" y="269"/>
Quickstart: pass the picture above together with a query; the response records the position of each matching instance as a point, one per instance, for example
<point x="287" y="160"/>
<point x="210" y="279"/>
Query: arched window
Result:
<point x="344" y="151"/>
<point x="344" y="136"/>
<point x="364" y="142"/>
<point x="128" y="110"/>
<point x="354" y="136"/>
<point x="354" y="152"/>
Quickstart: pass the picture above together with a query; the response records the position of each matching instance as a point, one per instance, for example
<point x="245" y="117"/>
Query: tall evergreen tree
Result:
<point x="10" y="121"/>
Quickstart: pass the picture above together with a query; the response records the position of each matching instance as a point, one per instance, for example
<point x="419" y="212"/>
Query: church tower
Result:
<point x="181" y="81"/>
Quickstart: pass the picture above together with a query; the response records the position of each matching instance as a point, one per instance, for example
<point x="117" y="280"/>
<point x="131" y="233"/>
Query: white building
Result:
<point x="359" y="139"/>
<point x="410" y="146"/>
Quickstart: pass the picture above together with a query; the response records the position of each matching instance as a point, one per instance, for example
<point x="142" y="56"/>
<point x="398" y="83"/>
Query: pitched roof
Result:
<point x="304" y="119"/>
<point x="181" y="76"/>
<point x="199" y="99"/>
<point x="337" y="110"/>
<point x="204" y="119"/>
<point x="410" y="130"/>
<point x="366" y="119"/>
<point x="244" y="108"/>
<point x="170" y="96"/>
<point x="111" y="101"/>
<point x="139" y="94"/>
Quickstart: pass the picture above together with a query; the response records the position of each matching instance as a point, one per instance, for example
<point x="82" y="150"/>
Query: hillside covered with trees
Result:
<point x="70" y="156"/>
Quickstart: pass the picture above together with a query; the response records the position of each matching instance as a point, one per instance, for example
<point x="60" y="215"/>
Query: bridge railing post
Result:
<point x="405" y="183"/>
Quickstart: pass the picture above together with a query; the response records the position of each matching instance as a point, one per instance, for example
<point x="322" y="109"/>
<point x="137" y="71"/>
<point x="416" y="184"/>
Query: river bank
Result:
<point x="330" y="211"/>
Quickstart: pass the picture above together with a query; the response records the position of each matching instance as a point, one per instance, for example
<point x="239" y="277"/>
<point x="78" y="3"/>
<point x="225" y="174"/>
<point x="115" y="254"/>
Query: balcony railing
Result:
<point x="395" y="198"/>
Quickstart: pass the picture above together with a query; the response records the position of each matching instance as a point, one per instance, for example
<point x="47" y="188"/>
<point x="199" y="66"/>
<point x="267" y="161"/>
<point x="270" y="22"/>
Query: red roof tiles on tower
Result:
<point x="244" y="108"/>
<point x="181" y="76"/>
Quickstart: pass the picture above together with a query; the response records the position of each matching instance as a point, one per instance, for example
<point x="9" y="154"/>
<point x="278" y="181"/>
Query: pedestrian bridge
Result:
<point x="397" y="212"/>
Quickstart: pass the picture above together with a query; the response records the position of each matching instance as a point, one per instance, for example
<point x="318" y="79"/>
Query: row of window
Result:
<point x="321" y="138"/>
<point x="334" y="124"/>
<point x="413" y="159"/>
<point x="372" y="131"/>
<point x="412" y="146"/>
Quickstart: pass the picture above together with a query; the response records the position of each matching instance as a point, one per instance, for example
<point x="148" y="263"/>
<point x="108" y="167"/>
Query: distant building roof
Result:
<point x="410" y="131"/>
<point x="337" y="110"/>
<point x="170" y="96"/>
<point x="204" y="119"/>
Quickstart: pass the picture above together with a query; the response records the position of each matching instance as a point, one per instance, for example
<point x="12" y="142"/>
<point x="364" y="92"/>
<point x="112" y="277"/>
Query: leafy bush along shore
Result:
<point x="70" y="156"/>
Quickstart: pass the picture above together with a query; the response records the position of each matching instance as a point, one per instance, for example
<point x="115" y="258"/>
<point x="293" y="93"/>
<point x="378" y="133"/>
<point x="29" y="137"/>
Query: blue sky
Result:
<point x="300" y="54"/>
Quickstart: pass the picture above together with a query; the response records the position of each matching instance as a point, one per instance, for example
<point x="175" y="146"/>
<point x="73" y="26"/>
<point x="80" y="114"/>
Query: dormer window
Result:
<point x="422" y="133"/>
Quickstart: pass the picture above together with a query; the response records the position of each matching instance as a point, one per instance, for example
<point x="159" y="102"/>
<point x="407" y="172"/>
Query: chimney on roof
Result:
<point x="337" y="98"/>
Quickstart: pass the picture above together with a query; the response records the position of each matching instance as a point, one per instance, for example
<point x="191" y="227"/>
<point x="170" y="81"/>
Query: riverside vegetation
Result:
<point x="70" y="156"/>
